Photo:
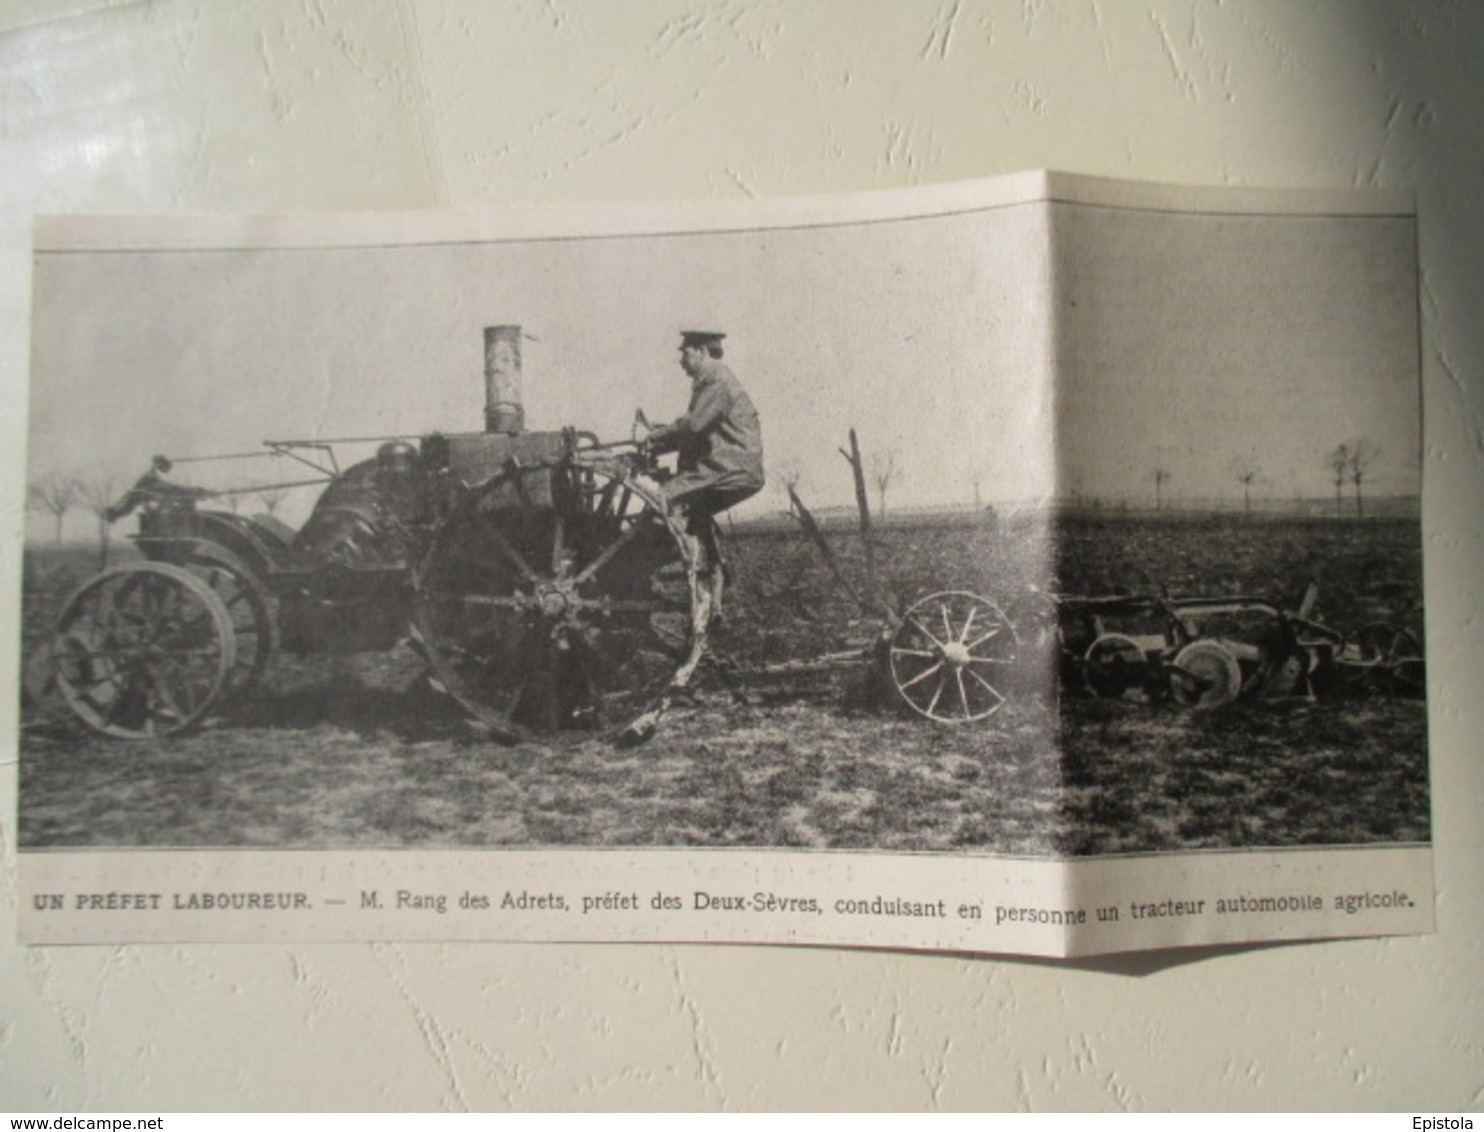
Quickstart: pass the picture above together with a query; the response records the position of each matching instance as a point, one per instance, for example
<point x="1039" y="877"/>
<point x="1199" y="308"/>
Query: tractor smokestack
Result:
<point x="503" y="408"/>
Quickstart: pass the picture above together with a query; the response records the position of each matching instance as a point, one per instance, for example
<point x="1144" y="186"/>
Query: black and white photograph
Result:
<point x="1034" y="520"/>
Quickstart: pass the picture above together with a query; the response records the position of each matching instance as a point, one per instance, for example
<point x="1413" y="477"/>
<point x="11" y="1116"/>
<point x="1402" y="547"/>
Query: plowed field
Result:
<point x="352" y="751"/>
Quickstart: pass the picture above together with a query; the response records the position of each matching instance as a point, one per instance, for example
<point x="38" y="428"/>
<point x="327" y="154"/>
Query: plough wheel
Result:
<point x="143" y="650"/>
<point x="556" y="603"/>
<point x="1113" y="664"/>
<point x="1205" y="675"/>
<point x="1385" y="658"/>
<point x="951" y="657"/>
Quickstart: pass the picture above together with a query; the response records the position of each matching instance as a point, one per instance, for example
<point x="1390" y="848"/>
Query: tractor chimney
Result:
<point x="503" y="410"/>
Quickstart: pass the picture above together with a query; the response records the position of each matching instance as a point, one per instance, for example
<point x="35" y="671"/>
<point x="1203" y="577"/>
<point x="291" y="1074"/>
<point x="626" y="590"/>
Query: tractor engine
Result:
<point x="356" y="559"/>
<point x="368" y="517"/>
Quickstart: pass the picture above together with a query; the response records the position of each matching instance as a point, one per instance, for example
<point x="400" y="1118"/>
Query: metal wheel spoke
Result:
<point x="495" y="601"/>
<point x="505" y="679"/>
<point x="148" y="601"/>
<point x="963" y="695"/>
<point x="1000" y="660"/>
<point x="656" y="605"/>
<point x="96" y="681"/>
<point x="924" y="654"/>
<point x="607" y="555"/>
<point x="921" y="628"/>
<point x="937" y="695"/>
<point x="512" y="556"/>
<point x="989" y="636"/>
<point x="171" y="682"/>
<point x="103" y="605"/>
<point x="921" y="676"/>
<point x="986" y="685"/>
<point x="968" y="626"/>
<point x="166" y="602"/>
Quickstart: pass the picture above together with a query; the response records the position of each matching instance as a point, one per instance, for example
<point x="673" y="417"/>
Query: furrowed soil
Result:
<point x="339" y="751"/>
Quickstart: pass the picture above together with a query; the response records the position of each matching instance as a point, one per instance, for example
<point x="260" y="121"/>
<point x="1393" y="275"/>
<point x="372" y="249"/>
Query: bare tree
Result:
<point x="978" y="495"/>
<point x="1161" y="477"/>
<point x="1247" y="471"/>
<point x="271" y="497"/>
<point x="1338" y="463"/>
<point x="883" y="473"/>
<point x="97" y="496"/>
<point x="56" y="494"/>
<point x="1363" y="454"/>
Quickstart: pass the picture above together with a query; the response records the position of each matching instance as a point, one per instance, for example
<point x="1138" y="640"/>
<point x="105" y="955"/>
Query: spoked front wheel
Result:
<point x="951" y="657"/>
<point x="143" y="650"/>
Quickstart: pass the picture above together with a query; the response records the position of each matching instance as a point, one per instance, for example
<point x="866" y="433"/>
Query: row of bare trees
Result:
<point x="1245" y="470"/>
<point x="57" y="494"/>
<point x="1350" y="463"/>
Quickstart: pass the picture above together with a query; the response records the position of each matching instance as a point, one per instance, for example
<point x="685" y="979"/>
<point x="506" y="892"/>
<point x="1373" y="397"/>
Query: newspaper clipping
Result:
<point x="1023" y="566"/>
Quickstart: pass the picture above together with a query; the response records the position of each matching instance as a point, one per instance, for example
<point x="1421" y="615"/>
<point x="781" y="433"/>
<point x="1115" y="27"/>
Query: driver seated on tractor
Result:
<point x="719" y="443"/>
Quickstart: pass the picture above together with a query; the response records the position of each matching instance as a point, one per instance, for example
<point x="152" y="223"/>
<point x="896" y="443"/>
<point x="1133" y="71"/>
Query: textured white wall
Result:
<point x="280" y="104"/>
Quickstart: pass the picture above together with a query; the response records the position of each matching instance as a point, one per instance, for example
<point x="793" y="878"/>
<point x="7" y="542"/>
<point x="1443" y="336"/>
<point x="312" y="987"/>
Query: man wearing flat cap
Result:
<point x="719" y="444"/>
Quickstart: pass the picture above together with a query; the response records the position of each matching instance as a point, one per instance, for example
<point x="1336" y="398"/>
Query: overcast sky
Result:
<point x="925" y="335"/>
<point x="1199" y="344"/>
<point x="1190" y="342"/>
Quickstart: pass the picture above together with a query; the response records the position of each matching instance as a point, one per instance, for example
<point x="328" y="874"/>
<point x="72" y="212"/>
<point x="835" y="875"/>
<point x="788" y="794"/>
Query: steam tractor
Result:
<point x="555" y="596"/>
<point x="538" y="572"/>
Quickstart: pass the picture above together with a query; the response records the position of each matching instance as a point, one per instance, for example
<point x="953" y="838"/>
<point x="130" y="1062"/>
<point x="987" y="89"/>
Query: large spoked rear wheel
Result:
<point x="246" y="599"/>
<point x="952" y="657"/>
<point x="557" y="604"/>
<point x="143" y="650"/>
